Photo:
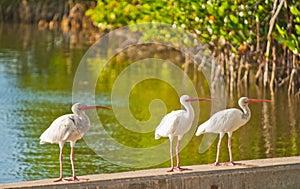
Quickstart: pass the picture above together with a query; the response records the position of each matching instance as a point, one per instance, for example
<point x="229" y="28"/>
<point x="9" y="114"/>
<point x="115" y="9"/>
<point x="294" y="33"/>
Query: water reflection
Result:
<point x="36" y="77"/>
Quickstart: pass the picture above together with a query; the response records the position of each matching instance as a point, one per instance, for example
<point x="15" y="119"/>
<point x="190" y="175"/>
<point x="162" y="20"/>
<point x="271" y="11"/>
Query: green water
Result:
<point x="36" y="78"/>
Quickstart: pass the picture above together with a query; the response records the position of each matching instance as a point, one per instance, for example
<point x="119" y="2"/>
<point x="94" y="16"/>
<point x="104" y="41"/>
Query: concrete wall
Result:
<point x="263" y="173"/>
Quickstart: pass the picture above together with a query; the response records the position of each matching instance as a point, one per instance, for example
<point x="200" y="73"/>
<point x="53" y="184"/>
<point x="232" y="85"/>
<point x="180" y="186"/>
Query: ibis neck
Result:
<point x="83" y="122"/>
<point x="80" y="113"/>
<point x="189" y="109"/>
<point x="246" y="112"/>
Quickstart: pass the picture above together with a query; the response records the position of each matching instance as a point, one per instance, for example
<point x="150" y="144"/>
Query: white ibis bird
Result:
<point x="228" y="121"/>
<point x="68" y="128"/>
<point x="177" y="123"/>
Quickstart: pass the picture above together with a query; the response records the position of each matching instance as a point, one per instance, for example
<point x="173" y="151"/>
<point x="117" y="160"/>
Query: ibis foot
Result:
<point x="182" y="169"/>
<point x="231" y="163"/>
<point x="58" y="180"/>
<point x="76" y="179"/>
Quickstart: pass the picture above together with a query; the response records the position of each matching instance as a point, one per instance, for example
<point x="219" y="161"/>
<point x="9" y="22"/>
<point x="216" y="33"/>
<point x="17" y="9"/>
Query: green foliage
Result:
<point x="289" y="36"/>
<point x="232" y="23"/>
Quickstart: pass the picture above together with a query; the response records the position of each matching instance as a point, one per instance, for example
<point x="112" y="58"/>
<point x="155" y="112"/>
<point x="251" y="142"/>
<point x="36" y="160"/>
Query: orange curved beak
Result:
<point x="93" y="107"/>
<point x="198" y="99"/>
<point x="258" y="100"/>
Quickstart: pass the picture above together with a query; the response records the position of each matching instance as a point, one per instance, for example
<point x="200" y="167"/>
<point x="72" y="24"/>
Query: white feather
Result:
<point x="169" y="124"/>
<point x="223" y="121"/>
<point x="63" y="129"/>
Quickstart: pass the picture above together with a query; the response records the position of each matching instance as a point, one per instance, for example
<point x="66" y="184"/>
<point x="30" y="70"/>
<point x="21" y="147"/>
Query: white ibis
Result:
<point x="177" y="123"/>
<point x="228" y="121"/>
<point x="68" y="128"/>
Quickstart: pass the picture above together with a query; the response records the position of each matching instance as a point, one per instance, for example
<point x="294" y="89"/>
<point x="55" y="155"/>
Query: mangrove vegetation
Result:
<point x="261" y="37"/>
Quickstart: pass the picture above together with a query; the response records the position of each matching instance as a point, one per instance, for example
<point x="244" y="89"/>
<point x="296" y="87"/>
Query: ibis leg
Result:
<point x="171" y="155"/>
<point x="177" y="154"/>
<point x="74" y="178"/>
<point x="218" y="150"/>
<point x="72" y="163"/>
<point x="229" y="150"/>
<point x="60" y="163"/>
<point x="178" y="158"/>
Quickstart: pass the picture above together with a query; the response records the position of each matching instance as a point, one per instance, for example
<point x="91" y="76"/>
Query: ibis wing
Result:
<point x="223" y="121"/>
<point x="169" y="124"/>
<point x="61" y="129"/>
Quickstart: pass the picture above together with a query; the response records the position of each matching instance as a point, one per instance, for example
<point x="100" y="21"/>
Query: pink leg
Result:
<point x="72" y="163"/>
<point x="229" y="149"/>
<point x="177" y="154"/>
<point x="178" y="159"/>
<point x="74" y="177"/>
<point x="218" y="151"/>
<point x="171" y="155"/>
<point x="60" y="164"/>
<point x="230" y="153"/>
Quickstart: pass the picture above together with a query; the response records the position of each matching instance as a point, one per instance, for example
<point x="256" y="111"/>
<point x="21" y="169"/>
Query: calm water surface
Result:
<point x="36" y="77"/>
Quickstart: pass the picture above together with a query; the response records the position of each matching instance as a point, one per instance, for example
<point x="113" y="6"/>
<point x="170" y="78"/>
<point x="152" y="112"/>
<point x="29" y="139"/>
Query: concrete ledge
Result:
<point x="261" y="173"/>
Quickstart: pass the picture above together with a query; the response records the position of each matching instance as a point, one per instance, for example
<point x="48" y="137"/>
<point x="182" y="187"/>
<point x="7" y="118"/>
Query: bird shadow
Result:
<point x="72" y="179"/>
<point x="183" y="169"/>
<point x="179" y="169"/>
<point x="234" y="164"/>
